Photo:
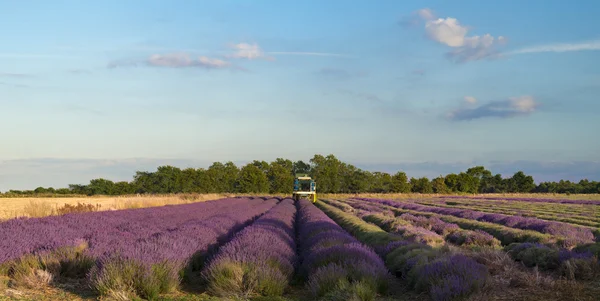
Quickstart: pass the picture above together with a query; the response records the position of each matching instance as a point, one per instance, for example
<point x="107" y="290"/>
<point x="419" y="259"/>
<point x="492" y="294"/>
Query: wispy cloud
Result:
<point x="560" y="47"/>
<point x="16" y="75"/>
<point x="174" y="60"/>
<point x="512" y="107"/>
<point x="470" y="99"/>
<point x="419" y="72"/>
<point x="339" y="73"/>
<point x="362" y="96"/>
<point x="14" y="85"/>
<point x="248" y="51"/>
<point x="79" y="71"/>
<point x="8" y="55"/>
<point x="306" y="53"/>
<point x="450" y="32"/>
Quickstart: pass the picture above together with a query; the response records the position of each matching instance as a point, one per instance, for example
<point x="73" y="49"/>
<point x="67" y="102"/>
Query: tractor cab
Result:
<point x="305" y="187"/>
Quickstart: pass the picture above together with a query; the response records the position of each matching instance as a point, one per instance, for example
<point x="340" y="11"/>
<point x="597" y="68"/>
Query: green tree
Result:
<point x="439" y="185"/>
<point x="326" y="172"/>
<point x="521" y="183"/>
<point x="467" y="183"/>
<point x="281" y="179"/>
<point x="299" y="167"/>
<point x="223" y="177"/>
<point x="252" y="180"/>
<point x="481" y="177"/>
<point x="382" y="182"/>
<point x="421" y="185"/>
<point x="400" y="183"/>
<point x="101" y="187"/>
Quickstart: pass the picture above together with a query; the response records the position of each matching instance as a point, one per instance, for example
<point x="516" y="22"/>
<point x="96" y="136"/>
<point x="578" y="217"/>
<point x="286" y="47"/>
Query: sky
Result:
<point x="104" y="88"/>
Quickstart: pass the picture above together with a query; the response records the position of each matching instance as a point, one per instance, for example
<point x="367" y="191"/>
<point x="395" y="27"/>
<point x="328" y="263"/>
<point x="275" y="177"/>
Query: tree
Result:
<point x="421" y="185"/>
<point x="467" y="183"/>
<point x="382" y="182"/>
<point x="451" y="181"/>
<point x="123" y="188"/>
<point x="252" y="180"/>
<point x="400" y="183"/>
<point x="280" y="176"/>
<point x="223" y="177"/>
<point x="262" y="165"/>
<point x="439" y="185"/>
<point x="521" y="183"/>
<point x="101" y="187"/>
<point x="301" y="167"/>
<point x="481" y="176"/>
<point x="169" y="179"/>
<point x="326" y="172"/>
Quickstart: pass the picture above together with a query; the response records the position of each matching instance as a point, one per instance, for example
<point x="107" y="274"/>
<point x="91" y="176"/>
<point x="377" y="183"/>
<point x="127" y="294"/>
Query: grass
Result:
<point x="40" y="207"/>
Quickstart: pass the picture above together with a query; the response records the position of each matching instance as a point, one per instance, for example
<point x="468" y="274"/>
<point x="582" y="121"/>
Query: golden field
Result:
<point x="40" y="206"/>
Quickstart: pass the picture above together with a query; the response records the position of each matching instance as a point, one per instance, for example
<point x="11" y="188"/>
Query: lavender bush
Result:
<point x="575" y="264"/>
<point x="259" y="259"/>
<point x="475" y="238"/>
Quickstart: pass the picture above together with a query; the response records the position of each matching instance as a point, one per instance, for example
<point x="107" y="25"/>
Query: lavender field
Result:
<point x="273" y="248"/>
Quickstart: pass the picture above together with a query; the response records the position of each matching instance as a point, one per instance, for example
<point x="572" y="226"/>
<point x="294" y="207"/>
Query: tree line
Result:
<point x="331" y="175"/>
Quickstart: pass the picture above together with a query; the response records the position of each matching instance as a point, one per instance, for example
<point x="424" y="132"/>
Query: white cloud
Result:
<point x="174" y="60"/>
<point x="511" y="107"/>
<point x="425" y="14"/>
<point x="248" y="51"/>
<point x="446" y="31"/>
<point x="170" y="60"/>
<point x="523" y="104"/>
<point x="449" y="32"/>
<point x="212" y="62"/>
<point x="470" y="99"/>
<point x="560" y="47"/>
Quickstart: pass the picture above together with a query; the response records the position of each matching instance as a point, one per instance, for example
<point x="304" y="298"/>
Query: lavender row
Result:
<point x="158" y="260"/>
<point x="445" y="276"/>
<point x="575" y="235"/>
<point x="530" y="200"/>
<point x="260" y="259"/>
<point x="102" y="231"/>
<point x="333" y="261"/>
<point x="405" y="229"/>
<point x="428" y="230"/>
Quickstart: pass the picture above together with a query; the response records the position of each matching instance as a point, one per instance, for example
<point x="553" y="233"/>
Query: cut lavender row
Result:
<point x="259" y="259"/>
<point x="575" y="235"/>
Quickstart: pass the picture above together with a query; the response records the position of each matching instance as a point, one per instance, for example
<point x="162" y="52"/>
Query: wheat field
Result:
<point x="40" y="207"/>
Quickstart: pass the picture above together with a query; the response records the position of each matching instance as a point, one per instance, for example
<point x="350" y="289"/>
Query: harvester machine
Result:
<point x="305" y="187"/>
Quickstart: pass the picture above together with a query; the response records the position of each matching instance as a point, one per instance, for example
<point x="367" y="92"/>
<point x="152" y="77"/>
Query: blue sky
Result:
<point x="101" y="89"/>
